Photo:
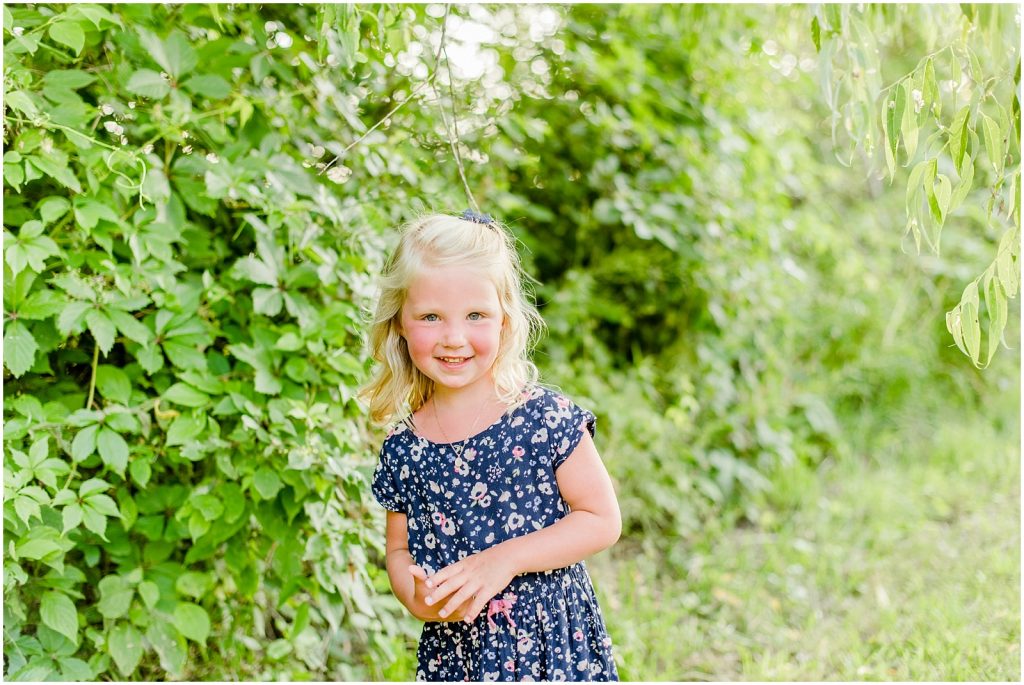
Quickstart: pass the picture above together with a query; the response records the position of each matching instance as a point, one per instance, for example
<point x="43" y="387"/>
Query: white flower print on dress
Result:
<point x="445" y="496"/>
<point x="479" y="495"/>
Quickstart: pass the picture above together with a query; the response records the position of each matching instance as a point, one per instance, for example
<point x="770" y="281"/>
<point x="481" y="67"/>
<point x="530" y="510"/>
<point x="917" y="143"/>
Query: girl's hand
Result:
<point x="426" y="612"/>
<point x="471" y="582"/>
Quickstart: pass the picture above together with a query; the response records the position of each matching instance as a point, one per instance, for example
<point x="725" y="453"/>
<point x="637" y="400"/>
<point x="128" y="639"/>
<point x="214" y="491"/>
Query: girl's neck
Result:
<point x="466" y="400"/>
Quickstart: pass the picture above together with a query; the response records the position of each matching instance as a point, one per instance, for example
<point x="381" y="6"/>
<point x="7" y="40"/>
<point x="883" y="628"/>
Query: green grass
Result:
<point x="904" y="570"/>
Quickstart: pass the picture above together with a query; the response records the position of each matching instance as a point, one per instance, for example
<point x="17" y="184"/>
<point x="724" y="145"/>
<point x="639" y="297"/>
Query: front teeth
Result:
<point x="453" y="360"/>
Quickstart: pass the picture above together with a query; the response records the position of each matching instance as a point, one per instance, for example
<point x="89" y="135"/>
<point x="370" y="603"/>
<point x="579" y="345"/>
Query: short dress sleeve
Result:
<point x="567" y="424"/>
<point x="387" y="486"/>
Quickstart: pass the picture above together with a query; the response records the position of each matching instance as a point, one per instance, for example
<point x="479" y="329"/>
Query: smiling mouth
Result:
<point x="453" y="360"/>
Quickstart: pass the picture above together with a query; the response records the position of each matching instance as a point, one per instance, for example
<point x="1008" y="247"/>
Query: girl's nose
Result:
<point x="453" y="336"/>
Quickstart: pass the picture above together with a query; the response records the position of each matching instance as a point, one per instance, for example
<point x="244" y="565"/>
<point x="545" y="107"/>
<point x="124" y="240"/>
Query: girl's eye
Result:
<point x="476" y="316"/>
<point x="430" y="317"/>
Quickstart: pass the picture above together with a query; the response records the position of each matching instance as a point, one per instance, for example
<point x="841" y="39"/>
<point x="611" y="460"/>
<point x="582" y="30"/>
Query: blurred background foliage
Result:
<point x="197" y="199"/>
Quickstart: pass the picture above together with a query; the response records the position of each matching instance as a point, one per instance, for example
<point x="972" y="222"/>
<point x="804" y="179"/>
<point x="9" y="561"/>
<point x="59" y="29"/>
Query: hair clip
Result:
<point x="476" y="217"/>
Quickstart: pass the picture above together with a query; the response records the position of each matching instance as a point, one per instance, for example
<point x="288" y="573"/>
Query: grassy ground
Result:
<point x="908" y="569"/>
<point x="902" y="566"/>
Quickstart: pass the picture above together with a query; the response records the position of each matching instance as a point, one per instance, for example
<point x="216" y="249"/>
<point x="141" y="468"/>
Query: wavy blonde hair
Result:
<point x="439" y="240"/>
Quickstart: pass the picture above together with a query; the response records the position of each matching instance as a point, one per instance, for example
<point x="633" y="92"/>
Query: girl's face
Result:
<point x="451" y="321"/>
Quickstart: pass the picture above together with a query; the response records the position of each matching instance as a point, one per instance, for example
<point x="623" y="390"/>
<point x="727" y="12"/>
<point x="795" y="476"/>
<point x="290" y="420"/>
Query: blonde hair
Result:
<point x="440" y="240"/>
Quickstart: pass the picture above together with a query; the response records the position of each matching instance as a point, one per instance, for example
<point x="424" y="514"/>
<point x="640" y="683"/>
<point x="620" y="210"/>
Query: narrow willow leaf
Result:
<point x="943" y="192"/>
<point x="58" y="612"/>
<point x="993" y="142"/>
<point x="816" y="33"/>
<point x="969" y="306"/>
<point x="958" y="137"/>
<point x="909" y="126"/>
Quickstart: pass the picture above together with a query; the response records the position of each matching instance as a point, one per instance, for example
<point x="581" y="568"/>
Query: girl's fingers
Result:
<point x="458" y="600"/>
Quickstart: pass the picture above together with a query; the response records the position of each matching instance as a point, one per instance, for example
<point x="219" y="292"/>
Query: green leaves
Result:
<point x="19" y="348"/>
<point x="192" y="621"/>
<point x="174" y="54"/>
<point x="113" y="450"/>
<point x="68" y="33"/>
<point x="124" y="644"/>
<point x="149" y="84"/>
<point x="58" y="612"/>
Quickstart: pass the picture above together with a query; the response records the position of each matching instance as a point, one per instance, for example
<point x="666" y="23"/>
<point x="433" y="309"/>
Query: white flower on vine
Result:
<point x="131" y="105"/>
<point x="283" y="39"/>
<point x="270" y="26"/>
<point x="124" y="140"/>
<point x="339" y="174"/>
<point x="316" y="151"/>
<point x="187" y="149"/>
<point x="107" y="110"/>
<point x="332" y="60"/>
<point x="918" y="100"/>
<point x="212" y="158"/>
<point x="146" y="149"/>
<point x="113" y="127"/>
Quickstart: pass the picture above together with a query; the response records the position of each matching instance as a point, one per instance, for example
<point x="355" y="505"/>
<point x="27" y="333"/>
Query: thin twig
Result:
<point x="455" y="126"/>
<point x="413" y="94"/>
<point x="92" y="381"/>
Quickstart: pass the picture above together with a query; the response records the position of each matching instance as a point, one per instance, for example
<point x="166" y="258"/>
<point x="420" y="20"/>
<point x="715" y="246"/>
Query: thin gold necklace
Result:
<point x="462" y="443"/>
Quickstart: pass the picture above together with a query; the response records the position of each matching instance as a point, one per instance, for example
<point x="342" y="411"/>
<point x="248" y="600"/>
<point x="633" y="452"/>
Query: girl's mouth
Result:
<point x="454" y="361"/>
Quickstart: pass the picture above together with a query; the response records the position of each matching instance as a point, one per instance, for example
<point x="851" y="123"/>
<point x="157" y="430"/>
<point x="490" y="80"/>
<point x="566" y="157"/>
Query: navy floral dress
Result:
<point x="543" y="626"/>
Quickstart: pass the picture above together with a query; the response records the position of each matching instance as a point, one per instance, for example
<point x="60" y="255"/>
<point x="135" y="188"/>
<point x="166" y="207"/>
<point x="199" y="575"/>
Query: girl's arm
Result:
<point x="593" y="524"/>
<point x="405" y="576"/>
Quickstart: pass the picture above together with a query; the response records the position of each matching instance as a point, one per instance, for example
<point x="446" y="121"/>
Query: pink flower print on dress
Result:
<point x="447" y="525"/>
<point x="562" y="402"/>
<point x="578" y="635"/>
<point x="518" y="452"/>
<point x="510" y="665"/>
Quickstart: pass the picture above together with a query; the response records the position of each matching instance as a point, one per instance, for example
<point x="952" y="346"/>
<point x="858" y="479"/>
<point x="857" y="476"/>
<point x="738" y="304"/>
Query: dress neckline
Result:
<point x="465" y="441"/>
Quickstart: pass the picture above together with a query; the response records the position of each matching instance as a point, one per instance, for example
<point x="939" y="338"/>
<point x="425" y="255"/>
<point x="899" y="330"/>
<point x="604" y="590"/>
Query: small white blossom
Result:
<point x="283" y="39"/>
<point x="185" y="135"/>
<point x="187" y="149"/>
<point x="332" y="60"/>
<point x="107" y="110"/>
<point x="124" y="140"/>
<point x="131" y="105"/>
<point x="271" y="44"/>
<point x="918" y="100"/>
<point x="339" y="174"/>
<point x="18" y="30"/>
<point x="270" y="26"/>
<point x="316" y="151"/>
<point x="146" y="149"/>
<point x="113" y="127"/>
<point x="212" y="158"/>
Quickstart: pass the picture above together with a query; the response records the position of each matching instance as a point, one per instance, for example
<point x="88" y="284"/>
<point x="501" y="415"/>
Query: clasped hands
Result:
<point x="469" y="585"/>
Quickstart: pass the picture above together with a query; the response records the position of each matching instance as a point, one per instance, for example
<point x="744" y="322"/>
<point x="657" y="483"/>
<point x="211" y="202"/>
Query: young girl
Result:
<point x="494" y="489"/>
